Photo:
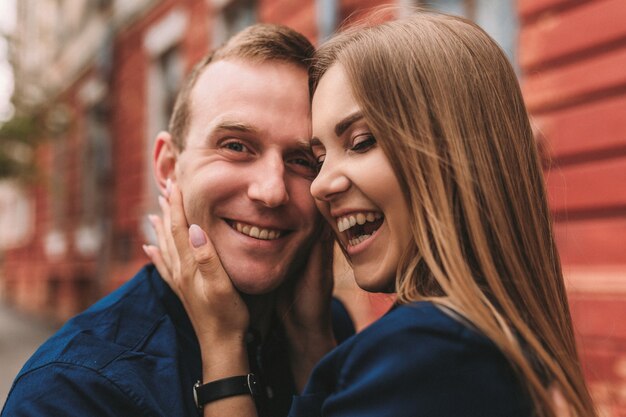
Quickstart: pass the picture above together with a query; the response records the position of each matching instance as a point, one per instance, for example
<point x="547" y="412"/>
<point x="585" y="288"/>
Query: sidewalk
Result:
<point x="20" y="336"/>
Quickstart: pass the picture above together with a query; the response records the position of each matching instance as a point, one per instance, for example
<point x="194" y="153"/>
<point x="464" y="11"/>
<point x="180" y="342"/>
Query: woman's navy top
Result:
<point x="415" y="361"/>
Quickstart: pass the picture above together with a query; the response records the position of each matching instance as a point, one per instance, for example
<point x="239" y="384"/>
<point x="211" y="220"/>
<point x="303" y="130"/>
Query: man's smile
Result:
<point x="255" y="231"/>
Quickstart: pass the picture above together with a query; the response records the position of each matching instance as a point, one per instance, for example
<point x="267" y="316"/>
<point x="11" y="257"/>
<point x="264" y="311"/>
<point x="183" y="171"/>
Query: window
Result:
<point x="55" y="241"/>
<point x="170" y="72"/>
<point x="497" y="17"/>
<point x="327" y="14"/>
<point x="95" y="157"/>
<point x="96" y="169"/>
<point x="234" y="16"/>
<point x="458" y="7"/>
<point x="165" y="75"/>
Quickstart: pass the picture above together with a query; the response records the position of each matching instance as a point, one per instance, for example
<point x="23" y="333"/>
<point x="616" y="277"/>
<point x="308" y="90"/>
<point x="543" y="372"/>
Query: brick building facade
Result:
<point x="88" y="211"/>
<point x="573" y="55"/>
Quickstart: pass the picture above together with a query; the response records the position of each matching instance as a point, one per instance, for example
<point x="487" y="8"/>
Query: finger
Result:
<point x="326" y="234"/>
<point x="320" y="267"/>
<point x="170" y="244"/>
<point x="327" y="240"/>
<point x="157" y="259"/>
<point x="208" y="262"/>
<point x="155" y="256"/>
<point x="178" y="224"/>
<point x="157" y="225"/>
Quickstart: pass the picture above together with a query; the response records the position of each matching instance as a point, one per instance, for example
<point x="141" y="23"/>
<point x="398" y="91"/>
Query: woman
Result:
<point x="430" y="179"/>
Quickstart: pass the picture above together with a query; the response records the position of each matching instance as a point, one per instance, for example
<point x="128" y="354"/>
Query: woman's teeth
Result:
<point x="346" y="222"/>
<point x="357" y="240"/>
<point x="256" y="231"/>
<point x="359" y="227"/>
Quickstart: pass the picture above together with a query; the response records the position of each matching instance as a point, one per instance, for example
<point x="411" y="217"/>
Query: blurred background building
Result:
<point x="95" y="80"/>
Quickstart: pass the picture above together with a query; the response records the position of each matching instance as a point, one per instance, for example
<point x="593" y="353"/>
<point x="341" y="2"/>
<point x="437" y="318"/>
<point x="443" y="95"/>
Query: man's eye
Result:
<point x="304" y="166"/>
<point x="304" y="162"/>
<point x="363" y="143"/>
<point x="236" y="146"/>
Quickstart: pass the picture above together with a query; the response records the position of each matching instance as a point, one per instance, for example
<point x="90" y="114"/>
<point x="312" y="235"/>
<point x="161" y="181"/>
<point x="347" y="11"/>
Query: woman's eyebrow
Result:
<point x="340" y="128"/>
<point x="346" y="122"/>
<point x="315" y="141"/>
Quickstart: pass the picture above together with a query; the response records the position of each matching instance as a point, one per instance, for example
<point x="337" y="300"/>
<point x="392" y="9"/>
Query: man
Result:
<point x="237" y="151"/>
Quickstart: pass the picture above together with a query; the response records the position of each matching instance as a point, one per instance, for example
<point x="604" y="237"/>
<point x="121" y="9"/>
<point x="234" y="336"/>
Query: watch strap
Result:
<point x="223" y="388"/>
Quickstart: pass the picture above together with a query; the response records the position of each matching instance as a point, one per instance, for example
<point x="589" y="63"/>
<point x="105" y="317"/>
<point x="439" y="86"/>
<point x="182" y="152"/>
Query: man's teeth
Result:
<point x="346" y="222"/>
<point x="257" y="232"/>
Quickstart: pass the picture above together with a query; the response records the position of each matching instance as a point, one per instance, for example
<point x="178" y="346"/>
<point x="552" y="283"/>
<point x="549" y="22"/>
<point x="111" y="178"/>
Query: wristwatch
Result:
<point x="223" y="388"/>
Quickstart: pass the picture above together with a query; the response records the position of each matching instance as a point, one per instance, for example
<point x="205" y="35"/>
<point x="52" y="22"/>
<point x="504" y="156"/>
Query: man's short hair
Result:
<point x="257" y="43"/>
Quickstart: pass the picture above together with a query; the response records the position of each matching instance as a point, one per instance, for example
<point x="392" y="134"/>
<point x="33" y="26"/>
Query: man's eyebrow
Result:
<point x="344" y="124"/>
<point x="303" y="144"/>
<point x="234" y="126"/>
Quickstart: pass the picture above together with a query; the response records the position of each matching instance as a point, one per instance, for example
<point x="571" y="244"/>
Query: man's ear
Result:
<point x="164" y="160"/>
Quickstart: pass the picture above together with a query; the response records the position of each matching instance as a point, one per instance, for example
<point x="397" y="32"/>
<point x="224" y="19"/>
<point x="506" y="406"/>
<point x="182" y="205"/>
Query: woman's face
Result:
<point x="356" y="189"/>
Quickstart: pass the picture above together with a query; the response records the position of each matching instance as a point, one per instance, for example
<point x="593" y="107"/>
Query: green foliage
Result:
<point x="21" y="128"/>
<point x="19" y="137"/>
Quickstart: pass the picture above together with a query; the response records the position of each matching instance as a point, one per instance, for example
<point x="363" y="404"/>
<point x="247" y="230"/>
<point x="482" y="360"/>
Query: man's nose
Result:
<point x="330" y="182"/>
<point x="267" y="186"/>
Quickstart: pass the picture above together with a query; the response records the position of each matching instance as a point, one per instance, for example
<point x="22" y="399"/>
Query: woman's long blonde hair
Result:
<point x="445" y="106"/>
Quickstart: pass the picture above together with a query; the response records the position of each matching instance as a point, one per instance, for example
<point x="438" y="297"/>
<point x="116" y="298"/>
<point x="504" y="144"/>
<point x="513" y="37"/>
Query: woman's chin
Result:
<point x="373" y="283"/>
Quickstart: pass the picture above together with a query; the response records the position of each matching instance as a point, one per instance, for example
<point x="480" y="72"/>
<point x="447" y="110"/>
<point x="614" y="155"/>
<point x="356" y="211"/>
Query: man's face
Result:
<point x="245" y="171"/>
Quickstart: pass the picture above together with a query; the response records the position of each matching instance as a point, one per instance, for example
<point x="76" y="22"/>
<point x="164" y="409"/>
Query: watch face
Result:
<point x="195" y="393"/>
<point x="253" y="385"/>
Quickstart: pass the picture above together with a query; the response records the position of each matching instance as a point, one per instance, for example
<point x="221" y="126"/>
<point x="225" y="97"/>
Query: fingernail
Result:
<point x="152" y="219"/>
<point x="168" y="187"/>
<point x="196" y="236"/>
<point x="145" y="249"/>
<point x="162" y="200"/>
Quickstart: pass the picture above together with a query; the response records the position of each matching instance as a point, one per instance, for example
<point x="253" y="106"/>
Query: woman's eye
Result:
<point x="363" y="143"/>
<point x="319" y="161"/>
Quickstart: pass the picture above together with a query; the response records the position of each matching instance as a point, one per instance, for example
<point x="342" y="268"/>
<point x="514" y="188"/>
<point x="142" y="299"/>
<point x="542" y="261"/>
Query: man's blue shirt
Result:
<point x="134" y="353"/>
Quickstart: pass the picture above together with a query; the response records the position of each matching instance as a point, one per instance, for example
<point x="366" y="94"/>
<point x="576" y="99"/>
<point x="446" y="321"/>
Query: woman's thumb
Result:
<point x="197" y="237"/>
<point x="203" y="251"/>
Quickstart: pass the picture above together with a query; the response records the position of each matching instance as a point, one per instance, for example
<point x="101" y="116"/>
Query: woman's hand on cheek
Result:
<point x="187" y="261"/>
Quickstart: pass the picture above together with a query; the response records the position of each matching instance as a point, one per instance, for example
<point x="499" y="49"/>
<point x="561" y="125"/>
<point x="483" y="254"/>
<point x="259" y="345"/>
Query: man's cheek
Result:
<point x="192" y="209"/>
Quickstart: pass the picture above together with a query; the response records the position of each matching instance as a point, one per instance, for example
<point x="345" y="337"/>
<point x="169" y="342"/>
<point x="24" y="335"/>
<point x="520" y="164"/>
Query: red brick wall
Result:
<point x="573" y="58"/>
<point x="60" y="288"/>
<point x="128" y="125"/>
<point x="128" y="133"/>
<point x="300" y="15"/>
<point x="34" y="282"/>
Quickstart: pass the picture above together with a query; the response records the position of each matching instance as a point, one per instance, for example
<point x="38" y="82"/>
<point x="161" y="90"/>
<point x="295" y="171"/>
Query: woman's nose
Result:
<point x="330" y="182"/>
